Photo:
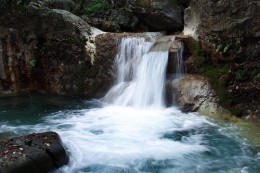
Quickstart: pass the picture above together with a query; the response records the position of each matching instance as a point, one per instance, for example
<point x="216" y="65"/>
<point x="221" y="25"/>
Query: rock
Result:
<point x="125" y="19"/>
<point x="230" y="23"/>
<point x="67" y="5"/>
<point x="7" y="135"/>
<point x="41" y="152"/>
<point x="229" y="35"/>
<point x="194" y="93"/>
<point x="163" y="15"/>
<point x="45" y="50"/>
<point x="104" y="25"/>
<point x="226" y="18"/>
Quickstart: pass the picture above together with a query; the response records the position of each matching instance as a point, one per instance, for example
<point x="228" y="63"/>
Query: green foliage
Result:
<point x="19" y="2"/>
<point x="96" y="6"/>
<point x="219" y="47"/>
<point x="241" y="75"/>
<point x="226" y="69"/>
<point x="78" y="40"/>
<point x="143" y="3"/>
<point x="197" y="49"/>
<point x="223" y="48"/>
<point x="226" y="48"/>
<point x="33" y="62"/>
<point x="219" y="77"/>
<point x="257" y="76"/>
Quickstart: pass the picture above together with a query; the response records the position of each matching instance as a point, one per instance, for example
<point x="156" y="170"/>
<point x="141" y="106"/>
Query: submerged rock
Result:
<point x="194" y="93"/>
<point x="42" y="152"/>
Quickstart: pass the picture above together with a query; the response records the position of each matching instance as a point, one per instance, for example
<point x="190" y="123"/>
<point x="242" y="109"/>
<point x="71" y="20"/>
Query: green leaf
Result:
<point x="19" y="2"/>
<point x="219" y="47"/>
<point x="226" y="48"/>
<point x="32" y="62"/>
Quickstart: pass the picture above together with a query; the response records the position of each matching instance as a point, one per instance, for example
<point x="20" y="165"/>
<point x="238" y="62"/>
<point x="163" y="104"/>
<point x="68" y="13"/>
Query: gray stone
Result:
<point x="194" y="93"/>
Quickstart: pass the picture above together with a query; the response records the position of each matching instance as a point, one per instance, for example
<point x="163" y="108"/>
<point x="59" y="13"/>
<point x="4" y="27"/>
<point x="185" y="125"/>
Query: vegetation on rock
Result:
<point x="96" y="6"/>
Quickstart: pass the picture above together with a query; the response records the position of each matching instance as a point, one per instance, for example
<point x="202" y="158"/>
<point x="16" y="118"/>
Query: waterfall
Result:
<point x="141" y="70"/>
<point x="140" y="75"/>
<point x="179" y="60"/>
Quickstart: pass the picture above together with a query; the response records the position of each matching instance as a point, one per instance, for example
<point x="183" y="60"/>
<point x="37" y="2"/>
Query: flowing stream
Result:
<point x="130" y="130"/>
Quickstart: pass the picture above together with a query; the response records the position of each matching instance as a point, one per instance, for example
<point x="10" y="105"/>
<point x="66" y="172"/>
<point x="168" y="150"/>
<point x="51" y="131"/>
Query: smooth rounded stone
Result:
<point x="194" y="93"/>
<point x="42" y="152"/>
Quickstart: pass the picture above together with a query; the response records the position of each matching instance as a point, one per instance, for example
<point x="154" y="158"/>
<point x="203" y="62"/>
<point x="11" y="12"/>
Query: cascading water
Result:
<point x="141" y="75"/>
<point x="179" y="58"/>
<point x="134" y="133"/>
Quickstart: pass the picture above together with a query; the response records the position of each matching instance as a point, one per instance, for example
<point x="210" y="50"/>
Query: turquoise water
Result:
<point x="104" y="138"/>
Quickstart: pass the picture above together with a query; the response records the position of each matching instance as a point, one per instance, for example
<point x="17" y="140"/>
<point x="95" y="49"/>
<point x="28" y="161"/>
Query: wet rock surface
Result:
<point x="41" y="152"/>
<point x="194" y="93"/>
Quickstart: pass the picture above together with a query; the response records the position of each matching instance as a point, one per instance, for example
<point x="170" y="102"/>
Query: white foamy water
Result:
<point x="125" y="137"/>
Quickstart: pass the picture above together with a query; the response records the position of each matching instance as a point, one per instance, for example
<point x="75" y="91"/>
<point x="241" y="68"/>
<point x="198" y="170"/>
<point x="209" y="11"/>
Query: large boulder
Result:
<point x="194" y="93"/>
<point x="46" y="50"/>
<point x="42" y="152"/>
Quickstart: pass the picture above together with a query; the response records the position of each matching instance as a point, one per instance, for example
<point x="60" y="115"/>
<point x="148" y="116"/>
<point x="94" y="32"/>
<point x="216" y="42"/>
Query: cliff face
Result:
<point x="228" y="51"/>
<point x="234" y="23"/>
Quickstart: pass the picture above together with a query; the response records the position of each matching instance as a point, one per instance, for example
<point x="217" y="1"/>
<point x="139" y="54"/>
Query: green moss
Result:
<point x="33" y="62"/>
<point x="82" y="75"/>
<point x="86" y="71"/>
<point x="144" y="3"/>
<point x="79" y="40"/>
<point x="241" y="75"/>
<point x="257" y="77"/>
<point x="219" y="77"/>
<point x="96" y="6"/>
<point x="196" y="48"/>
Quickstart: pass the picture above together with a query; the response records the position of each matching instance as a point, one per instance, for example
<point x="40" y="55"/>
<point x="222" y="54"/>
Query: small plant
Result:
<point x="219" y="47"/>
<point x="197" y="49"/>
<point x="96" y="6"/>
<point x="226" y="69"/>
<point x="223" y="48"/>
<point x="241" y="75"/>
<point x="257" y="76"/>
<point x="19" y="2"/>
<point x="33" y="62"/>
<point x="226" y="48"/>
<point x="144" y="3"/>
